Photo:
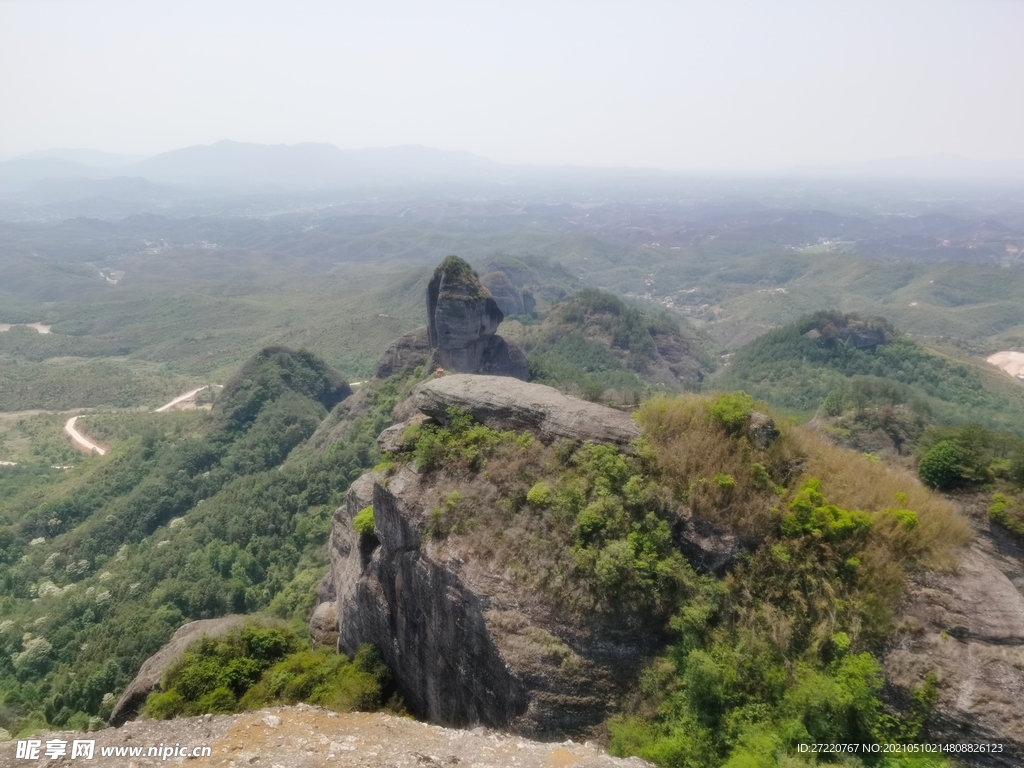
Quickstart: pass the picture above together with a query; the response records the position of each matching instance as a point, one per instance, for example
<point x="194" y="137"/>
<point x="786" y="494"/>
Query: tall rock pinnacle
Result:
<point x="462" y="320"/>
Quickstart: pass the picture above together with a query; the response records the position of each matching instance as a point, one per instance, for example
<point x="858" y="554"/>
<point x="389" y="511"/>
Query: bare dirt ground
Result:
<point x="311" y="737"/>
<point x="1011" y="362"/>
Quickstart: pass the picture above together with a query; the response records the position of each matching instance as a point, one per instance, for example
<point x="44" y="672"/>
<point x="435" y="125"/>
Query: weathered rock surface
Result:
<point x="763" y="430"/>
<point x="967" y="629"/>
<point x="862" y="334"/>
<point x="466" y="646"/>
<point x="311" y="737"/>
<point x="323" y="625"/>
<point x="705" y="547"/>
<point x="390" y="440"/>
<point x="152" y="670"/>
<point x="409" y="350"/>
<point x="502" y="403"/>
<point x="462" y="320"/>
<point x="506" y="295"/>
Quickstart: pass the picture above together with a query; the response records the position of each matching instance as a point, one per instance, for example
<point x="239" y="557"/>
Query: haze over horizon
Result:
<point x="736" y="87"/>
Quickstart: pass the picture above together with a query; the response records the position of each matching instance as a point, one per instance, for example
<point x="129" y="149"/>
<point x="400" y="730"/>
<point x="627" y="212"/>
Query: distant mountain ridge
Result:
<point x="245" y="166"/>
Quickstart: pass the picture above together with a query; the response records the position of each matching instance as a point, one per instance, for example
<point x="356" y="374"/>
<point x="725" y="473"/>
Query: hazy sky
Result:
<point x="684" y="85"/>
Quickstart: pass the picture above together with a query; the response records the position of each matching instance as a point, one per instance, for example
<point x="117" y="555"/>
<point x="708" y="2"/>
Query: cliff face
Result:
<point x="462" y="322"/>
<point x="466" y="644"/>
<point x="429" y="626"/>
<point x="967" y="629"/>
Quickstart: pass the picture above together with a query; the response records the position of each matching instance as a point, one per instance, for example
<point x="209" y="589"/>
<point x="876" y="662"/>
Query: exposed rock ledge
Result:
<point x="310" y="737"/>
<point x="504" y="403"/>
<point x="152" y="671"/>
<point x="967" y="629"/>
<point x="466" y="645"/>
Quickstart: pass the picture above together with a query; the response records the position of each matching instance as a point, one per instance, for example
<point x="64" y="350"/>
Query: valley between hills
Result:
<point x="690" y="484"/>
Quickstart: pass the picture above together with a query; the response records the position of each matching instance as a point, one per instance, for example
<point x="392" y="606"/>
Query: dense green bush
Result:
<point x="363" y="523"/>
<point x="261" y="666"/>
<point x="1007" y="512"/>
<point x="944" y="466"/>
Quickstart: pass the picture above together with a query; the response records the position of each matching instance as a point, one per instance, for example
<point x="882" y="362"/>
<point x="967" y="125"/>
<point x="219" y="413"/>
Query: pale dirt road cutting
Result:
<point x="80" y="439"/>
<point x="179" y="399"/>
<point x="86" y="444"/>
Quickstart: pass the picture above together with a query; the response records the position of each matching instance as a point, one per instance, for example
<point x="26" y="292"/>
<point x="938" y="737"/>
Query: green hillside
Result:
<point x="190" y="515"/>
<point x="807" y="365"/>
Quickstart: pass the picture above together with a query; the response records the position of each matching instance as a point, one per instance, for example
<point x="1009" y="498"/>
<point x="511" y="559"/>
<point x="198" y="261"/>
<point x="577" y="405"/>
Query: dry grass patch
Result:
<point x="853" y="481"/>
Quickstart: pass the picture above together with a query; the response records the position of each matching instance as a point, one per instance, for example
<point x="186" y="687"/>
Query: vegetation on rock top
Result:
<point x="784" y="649"/>
<point x="801" y="373"/>
<point x="458" y="280"/>
<point x="257" y="667"/>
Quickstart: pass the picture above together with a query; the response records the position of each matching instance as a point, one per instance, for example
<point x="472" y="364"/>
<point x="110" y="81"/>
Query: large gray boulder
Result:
<point x="152" y="671"/>
<point x="967" y="629"/>
<point x="408" y="351"/>
<point x="462" y="322"/>
<point x="466" y="645"/>
<point x="503" y="403"/>
<point x="508" y="297"/>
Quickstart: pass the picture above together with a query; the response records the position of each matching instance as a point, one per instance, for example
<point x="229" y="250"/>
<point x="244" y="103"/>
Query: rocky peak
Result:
<point x="462" y="323"/>
<point x="465" y="645"/>
<point x="833" y="328"/>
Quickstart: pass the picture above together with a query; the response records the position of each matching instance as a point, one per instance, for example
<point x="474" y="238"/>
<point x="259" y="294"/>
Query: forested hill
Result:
<point x="853" y="362"/>
<point x="596" y="345"/>
<point x="189" y="515"/>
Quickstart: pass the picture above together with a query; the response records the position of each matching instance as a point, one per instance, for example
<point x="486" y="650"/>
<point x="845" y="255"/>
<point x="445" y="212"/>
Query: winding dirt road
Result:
<point x="79" y="439"/>
<point x="86" y="444"/>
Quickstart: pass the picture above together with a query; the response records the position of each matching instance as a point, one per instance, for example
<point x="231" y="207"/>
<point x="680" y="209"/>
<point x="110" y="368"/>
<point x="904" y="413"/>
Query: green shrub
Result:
<point x="539" y="495"/>
<point x="219" y="701"/>
<point x="1007" y="513"/>
<point x="943" y="466"/>
<point x="260" y="666"/>
<point x="731" y="410"/>
<point x="810" y="513"/>
<point x="163" y="705"/>
<point x="725" y="481"/>
<point x="363" y="522"/>
<point x="324" y="678"/>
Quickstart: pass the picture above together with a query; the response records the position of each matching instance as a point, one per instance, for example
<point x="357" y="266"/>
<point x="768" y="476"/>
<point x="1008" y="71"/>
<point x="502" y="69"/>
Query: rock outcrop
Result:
<point x="508" y="297"/>
<point x="462" y="322"/>
<point x="852" y="331"/>
<point x="152" y="670"/>
<point x="410" y="350"/>
<point x="762" y="430"/>
<point x="302" y="736"/>
<point x="967" y="629"/>
<point x="503" y="404"/>
<point x="465" y="644"/>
